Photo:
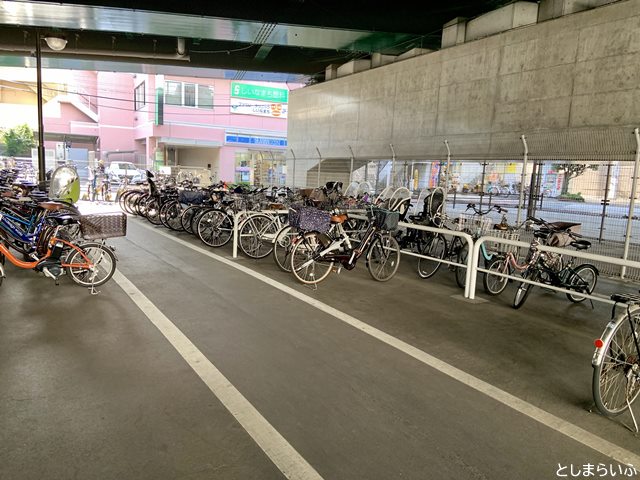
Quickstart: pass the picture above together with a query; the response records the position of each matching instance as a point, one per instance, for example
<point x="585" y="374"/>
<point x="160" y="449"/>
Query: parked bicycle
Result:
<point x="314" y="256"/>
<point x="616" y="360"/>
<point x="552" y="268"/>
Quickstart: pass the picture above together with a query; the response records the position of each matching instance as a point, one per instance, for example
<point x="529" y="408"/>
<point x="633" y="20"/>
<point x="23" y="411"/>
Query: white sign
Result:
<point x="256" y="107"/>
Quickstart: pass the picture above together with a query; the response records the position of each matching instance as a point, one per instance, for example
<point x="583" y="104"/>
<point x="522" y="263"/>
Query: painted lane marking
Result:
<point x="555" y="423"/>
<point x="281" y="453"/>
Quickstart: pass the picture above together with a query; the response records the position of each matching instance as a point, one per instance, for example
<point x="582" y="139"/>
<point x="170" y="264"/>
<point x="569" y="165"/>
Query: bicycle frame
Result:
<point x="31" y="265"/>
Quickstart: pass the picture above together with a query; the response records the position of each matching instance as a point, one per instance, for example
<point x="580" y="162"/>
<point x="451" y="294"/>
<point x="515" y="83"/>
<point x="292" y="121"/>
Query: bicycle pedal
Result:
<point x="337" y="270"/>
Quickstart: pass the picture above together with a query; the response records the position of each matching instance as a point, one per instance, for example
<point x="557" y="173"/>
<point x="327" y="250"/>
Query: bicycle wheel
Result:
<point x="525" y="288"/>
<point x="215" y="228"/>
<point x="461" y="272"/>
<point x="163" y="213"/>
<point x="256" y="235"/>
<point x="435" y="247"/>
<point x="103" y="263"/>
<point x="173" y="214"/>
<point x="495" y="284"/>
<point x="282" y="247"/>
<point x="306" y="266"/>
<point x="616" y="378"/>
<point x="187" y="215"/>
<point x="583" y="279"/>
<point x="383" y="257"/>
<point x="152" y="210"/>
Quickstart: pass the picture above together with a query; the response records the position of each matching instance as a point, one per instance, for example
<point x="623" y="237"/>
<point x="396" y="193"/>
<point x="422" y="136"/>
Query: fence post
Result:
<point x="293" y="183"/>
<point x="448" y="179"/>
<point x="605" y="201"/>
<point x="351" y="167"/>
<point x="393" y="165"/>
<point x="525" y="159"/>
<point x="632" y="204"/>
<point x="319" y="162"/>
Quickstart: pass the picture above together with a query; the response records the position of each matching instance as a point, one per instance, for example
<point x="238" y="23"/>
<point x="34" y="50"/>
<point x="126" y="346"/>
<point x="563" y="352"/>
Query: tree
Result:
<point x="571" y="170"/>
<point x="19" y="140"/>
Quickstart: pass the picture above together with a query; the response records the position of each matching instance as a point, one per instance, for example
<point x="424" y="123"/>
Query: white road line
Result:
<point x="556" y="423"/>
<point x="281" y="453"/>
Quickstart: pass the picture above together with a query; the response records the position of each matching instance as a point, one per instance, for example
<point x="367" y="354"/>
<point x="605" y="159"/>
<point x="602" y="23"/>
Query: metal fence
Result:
<point x="587" y="177"/>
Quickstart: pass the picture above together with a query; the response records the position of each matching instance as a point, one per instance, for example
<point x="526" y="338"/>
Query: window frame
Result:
<point x="140" y="103"/>
<point x="196" y="94"/>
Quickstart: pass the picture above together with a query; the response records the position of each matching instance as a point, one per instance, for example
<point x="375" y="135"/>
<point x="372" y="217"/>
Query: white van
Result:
<point x="120" y="170"/>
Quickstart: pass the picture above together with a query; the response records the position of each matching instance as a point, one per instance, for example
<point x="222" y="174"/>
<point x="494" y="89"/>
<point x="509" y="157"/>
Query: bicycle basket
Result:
<point x="474" y="224"/>
<point x="502" y="247"/>
<point x="309" y="219"/>
<point x="103" y="225"/>
<point x="385" y="219"/>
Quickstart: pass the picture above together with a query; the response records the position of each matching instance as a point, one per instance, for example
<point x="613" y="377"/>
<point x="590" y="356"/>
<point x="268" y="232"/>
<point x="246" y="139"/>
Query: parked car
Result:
<point x="119" y="170"/>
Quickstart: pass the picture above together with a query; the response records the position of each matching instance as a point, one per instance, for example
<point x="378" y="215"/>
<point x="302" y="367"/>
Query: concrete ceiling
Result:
<point x="287" y="40"/>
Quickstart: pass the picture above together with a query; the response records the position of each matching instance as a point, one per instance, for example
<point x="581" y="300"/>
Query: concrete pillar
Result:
<point x="331" y="72"/>
<point x="453" y="32"/>
<point x="549" y="9"/>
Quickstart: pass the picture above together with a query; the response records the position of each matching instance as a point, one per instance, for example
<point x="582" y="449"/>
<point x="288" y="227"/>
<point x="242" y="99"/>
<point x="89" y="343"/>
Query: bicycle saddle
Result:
<point x="52" y="206"/>
<point x="559" y="226"/>
<point x="339" y="218"/>
<point x="629" y="298"/>
<point x="580" y="244"/>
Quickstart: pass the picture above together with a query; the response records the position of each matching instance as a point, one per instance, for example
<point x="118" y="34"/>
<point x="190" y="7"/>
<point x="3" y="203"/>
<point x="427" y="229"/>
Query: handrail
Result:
<point x="545" y="248"/>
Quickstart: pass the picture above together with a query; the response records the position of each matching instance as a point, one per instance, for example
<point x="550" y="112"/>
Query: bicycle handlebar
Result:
<point x="477" y="211"/>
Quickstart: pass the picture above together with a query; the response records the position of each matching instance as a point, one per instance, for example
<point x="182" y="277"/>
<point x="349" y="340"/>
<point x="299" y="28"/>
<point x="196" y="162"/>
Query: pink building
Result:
<point x="236" y="130"/>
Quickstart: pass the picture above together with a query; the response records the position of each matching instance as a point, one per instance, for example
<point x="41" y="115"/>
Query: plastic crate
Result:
<point x="103" y="225"/>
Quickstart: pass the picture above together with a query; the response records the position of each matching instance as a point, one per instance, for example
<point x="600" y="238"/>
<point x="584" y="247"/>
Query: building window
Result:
<point x="173" y="93"/>
<point x="188" y="94"/>
<point x="139" y="98"/>
<point x="205" y="96"/>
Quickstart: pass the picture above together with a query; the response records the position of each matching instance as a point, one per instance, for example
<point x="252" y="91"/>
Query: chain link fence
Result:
<point x="586" y="177"/>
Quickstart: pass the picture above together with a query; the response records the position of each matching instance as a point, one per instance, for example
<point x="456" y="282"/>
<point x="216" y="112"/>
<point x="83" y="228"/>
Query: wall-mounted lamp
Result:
<point x="55" y="42"/>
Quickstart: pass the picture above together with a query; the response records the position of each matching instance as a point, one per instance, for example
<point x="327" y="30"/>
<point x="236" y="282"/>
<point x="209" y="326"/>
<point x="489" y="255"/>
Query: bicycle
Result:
<point x="551" y="269"/>
<point x="314" y="256"/>
<point x="616" y="359"/>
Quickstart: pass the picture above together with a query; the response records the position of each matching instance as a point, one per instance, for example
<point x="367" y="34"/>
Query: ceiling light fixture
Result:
<point x="55" y="42"/>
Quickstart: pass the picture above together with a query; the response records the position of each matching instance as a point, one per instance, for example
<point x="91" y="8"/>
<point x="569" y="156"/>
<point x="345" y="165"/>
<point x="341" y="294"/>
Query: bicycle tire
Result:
<point x="585" y="273"/>
<point x="437" y="248"/>
<point x="619" y="365"/>
<point x="173" y="215"/>
<point x="187" y="216"/>
<point x="256" y="234"/>
<point x="104" y="264"/>
<point x="163" y="213"/>
<point x="282" y="246"/>
<point x="461" y="272"/>
<point x="304" y="266"/>
<point x="383" y="257"/>
<point x="152" y="210"/>
<point x="524" y="289"/>
<point x="495" y="284"/>
<point x="215" y="228"/>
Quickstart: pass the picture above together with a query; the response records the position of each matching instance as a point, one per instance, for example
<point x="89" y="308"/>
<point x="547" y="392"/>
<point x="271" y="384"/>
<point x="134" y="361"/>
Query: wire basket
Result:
<point x="103" y="225"/>
<point x="475" y="225"/>
<point x="386" y="220"/>
<point x="309" y="219"/>
<point x="503" y="247"/>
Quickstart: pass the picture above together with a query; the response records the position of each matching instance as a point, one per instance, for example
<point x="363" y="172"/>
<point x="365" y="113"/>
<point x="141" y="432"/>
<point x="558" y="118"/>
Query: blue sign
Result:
<point x="251" y="140"/>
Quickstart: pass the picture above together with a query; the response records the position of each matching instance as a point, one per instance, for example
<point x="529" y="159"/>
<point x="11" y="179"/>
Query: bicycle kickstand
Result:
<point x="93" y="290"/>
<point x="633" y="417"/>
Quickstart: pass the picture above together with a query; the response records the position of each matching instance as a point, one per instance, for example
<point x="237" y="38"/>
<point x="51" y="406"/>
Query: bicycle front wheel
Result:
<point x="616" y="378"/>
<point x="583" y="279"/>
<point x="306" y="264"/>
<point x="461" y="272"/>
<point x="214" y="228"/>
<point x="256" y="235"/>
<point x="282" y="247"/>
<point x="435" y="247"/>
<point x="495" y="284"/>
<point x="102" y="264"/>
<point x="383" y="258"/>
<point x="524" y="289"/>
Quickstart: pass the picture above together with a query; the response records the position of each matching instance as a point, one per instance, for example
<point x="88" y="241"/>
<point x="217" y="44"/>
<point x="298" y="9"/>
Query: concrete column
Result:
<point x="453" y="32"/>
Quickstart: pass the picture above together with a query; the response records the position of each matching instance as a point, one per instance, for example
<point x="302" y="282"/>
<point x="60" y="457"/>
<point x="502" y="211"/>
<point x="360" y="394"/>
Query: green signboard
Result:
<point x="258" y="92"/>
